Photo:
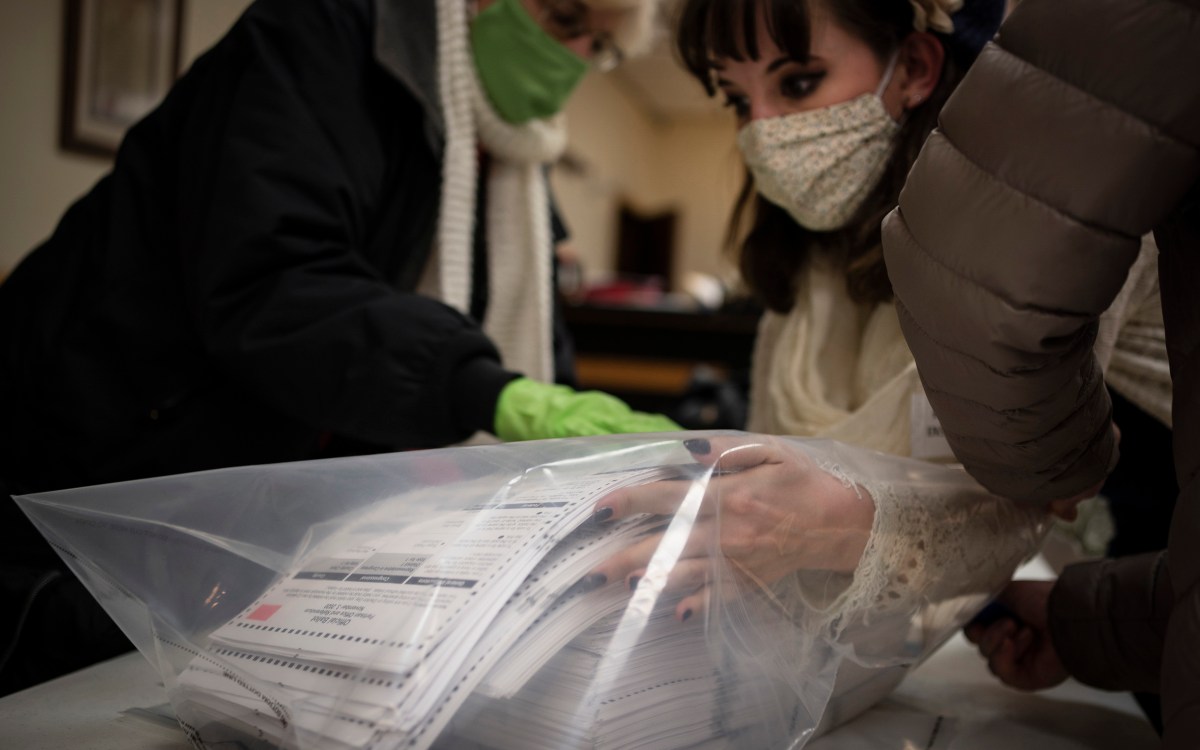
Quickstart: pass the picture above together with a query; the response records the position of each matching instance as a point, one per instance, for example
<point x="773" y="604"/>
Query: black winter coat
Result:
<point x="239" y="288"/>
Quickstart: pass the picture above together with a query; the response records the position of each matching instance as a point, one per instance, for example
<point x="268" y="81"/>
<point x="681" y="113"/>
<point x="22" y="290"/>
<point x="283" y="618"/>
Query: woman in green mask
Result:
<point x="501" y="95"/>
<point x="301" y="253"/>
<point x="530" y="54"/>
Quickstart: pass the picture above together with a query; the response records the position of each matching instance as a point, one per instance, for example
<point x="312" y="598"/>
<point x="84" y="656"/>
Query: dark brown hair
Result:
<point x="771" y="247"/>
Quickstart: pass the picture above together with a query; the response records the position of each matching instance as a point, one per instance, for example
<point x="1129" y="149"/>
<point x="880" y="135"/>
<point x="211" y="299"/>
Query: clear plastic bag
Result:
<point x="449" y="598"/>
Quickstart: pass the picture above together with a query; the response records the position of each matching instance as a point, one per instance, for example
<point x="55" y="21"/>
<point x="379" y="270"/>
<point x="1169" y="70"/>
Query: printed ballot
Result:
<point x="403" y="626"/>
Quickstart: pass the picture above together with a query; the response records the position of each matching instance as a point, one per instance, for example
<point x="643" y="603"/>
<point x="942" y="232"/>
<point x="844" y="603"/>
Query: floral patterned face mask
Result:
<point x="820" y="165"/>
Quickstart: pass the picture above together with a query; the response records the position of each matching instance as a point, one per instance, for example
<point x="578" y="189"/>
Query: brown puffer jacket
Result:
<point x="1074" y="134"/>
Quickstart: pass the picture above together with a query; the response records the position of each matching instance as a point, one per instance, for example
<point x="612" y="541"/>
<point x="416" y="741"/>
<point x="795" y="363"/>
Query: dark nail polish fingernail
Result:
<point x="602" y="515"/>
<point x="588" y="583"/>
<point x="633" y="582"/>
<point x="687" y="613"/>
<point x="698" y="446"/>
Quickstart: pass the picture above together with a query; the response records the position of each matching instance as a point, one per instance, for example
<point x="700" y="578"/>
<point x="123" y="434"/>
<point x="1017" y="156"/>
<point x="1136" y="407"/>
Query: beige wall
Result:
<point x="614" y="142"/>
<point x="687" y="164"/>
<point x="700" y="173"/>
<point x="38" y="180"/>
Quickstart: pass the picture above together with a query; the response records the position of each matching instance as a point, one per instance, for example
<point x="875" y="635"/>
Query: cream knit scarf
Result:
<point x="833" y="368"/>
<point x="519" y="314"/>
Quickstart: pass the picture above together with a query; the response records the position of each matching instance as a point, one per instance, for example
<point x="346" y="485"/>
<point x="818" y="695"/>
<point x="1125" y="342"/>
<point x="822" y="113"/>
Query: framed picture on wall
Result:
<point x="120" y="57"/>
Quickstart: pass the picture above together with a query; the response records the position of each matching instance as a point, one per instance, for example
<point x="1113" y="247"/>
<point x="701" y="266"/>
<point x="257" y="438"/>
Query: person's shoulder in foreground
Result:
<point x="1077" y="132"/>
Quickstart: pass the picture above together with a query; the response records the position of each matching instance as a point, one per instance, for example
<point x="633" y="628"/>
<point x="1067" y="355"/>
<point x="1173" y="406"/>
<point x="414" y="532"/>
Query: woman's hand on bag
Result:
<point x="767" y="509"/>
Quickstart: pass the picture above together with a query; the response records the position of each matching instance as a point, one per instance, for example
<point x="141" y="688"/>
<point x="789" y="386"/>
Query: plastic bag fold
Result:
<point x="449" y="598"/>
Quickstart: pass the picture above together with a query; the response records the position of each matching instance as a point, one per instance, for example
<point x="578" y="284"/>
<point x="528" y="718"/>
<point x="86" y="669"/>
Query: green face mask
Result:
<point x="526" y="73"/>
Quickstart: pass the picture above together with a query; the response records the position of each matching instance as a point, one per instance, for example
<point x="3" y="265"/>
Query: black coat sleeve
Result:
<point x="294" y="139"/>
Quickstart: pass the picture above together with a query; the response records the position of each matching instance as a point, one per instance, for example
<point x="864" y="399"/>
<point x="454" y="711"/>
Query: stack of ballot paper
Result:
<point x="667" y="694"/>
<point x="472" y="625"/>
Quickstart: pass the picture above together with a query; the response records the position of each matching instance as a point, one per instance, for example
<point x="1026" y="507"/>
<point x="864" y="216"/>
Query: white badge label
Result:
<point x="926" y="439"/>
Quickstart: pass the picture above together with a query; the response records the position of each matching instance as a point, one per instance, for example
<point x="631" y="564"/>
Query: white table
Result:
<point x="116" y="705"/>
<point x="112" y="706"/>
<point x="974" y="711"/>
<point x="102" y="707"/>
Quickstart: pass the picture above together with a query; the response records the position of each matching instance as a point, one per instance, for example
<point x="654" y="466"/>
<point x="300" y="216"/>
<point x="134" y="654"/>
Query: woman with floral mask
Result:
<point x="834" y="99"/>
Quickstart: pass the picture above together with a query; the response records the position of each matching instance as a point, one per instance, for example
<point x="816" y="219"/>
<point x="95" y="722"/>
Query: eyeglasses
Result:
<point x="567" y="20"/>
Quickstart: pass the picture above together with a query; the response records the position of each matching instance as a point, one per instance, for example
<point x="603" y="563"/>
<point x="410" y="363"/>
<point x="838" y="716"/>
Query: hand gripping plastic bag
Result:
<point x="614" y="592"/>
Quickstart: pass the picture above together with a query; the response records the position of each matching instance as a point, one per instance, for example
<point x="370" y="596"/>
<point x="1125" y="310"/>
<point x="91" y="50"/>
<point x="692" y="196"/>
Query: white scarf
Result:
<point x="519" y="315"/>
<point x="1131" y="345"/>
<point x="834" y="368"/>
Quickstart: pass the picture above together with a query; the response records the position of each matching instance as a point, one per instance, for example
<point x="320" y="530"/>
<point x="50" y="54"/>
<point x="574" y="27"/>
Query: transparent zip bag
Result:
<point x="692" y="590"/>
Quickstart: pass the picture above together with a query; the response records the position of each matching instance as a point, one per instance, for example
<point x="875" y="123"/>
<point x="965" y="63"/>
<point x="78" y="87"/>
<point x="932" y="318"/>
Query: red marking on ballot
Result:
<point x="264" y="612"/>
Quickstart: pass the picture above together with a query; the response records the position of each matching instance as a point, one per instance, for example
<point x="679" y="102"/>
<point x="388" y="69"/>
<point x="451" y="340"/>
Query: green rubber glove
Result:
<point x="530" y="410"/>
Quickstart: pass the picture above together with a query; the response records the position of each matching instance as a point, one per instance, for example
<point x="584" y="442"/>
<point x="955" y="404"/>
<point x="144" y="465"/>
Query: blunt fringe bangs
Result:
<point x="712" y="30"/>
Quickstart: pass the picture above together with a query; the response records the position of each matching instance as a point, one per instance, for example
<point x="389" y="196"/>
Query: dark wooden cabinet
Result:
<point x="665" y="360"/>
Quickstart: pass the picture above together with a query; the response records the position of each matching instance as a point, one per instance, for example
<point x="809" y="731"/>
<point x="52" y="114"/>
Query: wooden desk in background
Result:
<point x="648" y="356"/>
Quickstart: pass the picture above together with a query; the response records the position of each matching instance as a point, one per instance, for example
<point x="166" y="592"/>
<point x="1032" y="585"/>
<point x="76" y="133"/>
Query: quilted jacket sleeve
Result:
<point x="1073" y="135"/>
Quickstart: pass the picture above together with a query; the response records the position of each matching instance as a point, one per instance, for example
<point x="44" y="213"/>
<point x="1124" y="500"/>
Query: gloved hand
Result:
<point x="531" y="410"/>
